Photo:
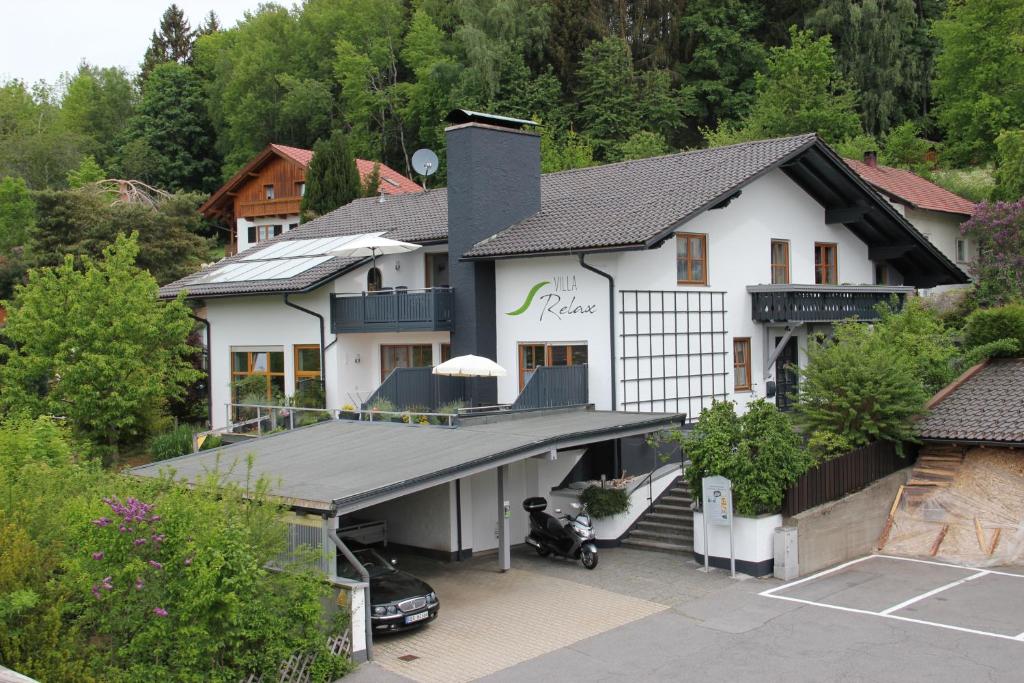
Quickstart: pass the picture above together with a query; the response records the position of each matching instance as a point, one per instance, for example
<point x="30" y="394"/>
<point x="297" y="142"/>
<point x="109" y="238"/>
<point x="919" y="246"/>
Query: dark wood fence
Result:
<point x="406" y="388"/>
<point x="554" y="386"/>
<point x="835" y="478"/>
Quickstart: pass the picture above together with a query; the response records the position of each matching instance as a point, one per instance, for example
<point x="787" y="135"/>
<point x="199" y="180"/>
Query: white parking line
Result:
<point x="934" y="591"/>
<point x="888" y="612"/>
<point x="899" y="618"/>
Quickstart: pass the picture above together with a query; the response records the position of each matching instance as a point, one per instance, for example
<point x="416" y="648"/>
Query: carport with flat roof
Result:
<point x="428" y="478"/>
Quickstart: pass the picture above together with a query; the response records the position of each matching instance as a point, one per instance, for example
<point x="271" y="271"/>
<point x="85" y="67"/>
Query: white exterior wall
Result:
<point x="262" y="323"/>
<point x="242" y="226"/>
<point x="352" y="370"/>
<point x="424" y="519"/>
<point x="943" y="230"/>
<point x="738" y="243"/>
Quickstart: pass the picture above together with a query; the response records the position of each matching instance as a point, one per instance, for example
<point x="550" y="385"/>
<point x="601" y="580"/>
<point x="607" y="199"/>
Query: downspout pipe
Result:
<point x="611" y="325"/>
<point x="323" y="335"/>
<point x="365" y="576"/>
<point x="209" y="370"/>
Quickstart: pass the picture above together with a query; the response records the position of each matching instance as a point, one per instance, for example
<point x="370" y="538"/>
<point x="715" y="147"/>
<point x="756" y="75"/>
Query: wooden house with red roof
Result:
<point x="262" y="200"/>
<point x="935" y="211"/>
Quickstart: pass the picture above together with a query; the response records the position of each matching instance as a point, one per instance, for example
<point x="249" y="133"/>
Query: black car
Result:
<point x="399" y="600"/>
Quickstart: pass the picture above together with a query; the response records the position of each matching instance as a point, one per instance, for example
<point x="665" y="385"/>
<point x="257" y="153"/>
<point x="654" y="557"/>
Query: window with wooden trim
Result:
<point x="691" y="258"/>
<point x="446" y="352"/>
<point x="780" y="262"/>
<point x="300" y="189"/>
<point x="826" y="269"/>
<point x="533" y="355"/>
<point x="257" y="372"/>
<point x="404" y="356"/>
<point x="268" y="191"/>
<point x="741" y="364"/>
<point x="307" y="364"/>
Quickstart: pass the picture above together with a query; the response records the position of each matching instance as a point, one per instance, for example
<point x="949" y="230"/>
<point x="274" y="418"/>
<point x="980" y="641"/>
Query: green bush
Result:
<point x="862" y="387"/>
<point x="1000" y="348"/>
<point x="605" y="502"/>
<point x="759" y="452"/>
<point x="825" y="445"/>
<point x="173" y="443"/>
<point x="989" y="325"/>
<point x="183" y="594"/>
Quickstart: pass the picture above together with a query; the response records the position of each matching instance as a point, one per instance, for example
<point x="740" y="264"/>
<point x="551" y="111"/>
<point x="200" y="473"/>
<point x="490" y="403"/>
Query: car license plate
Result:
<point x="416" y="617"/>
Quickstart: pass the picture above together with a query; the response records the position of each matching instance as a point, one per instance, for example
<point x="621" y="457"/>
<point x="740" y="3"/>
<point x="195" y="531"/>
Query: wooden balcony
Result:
<point x="284" y="206"/>
<point x="821" y="303"/>
<point x="398" y="310"/>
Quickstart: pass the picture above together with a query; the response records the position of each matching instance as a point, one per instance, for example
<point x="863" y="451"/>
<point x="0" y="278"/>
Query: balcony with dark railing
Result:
<point x="821" y="303"/>
<point x="395" y="310"/>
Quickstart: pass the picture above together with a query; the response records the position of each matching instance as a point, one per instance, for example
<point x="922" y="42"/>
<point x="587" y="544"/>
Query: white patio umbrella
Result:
<point x="469" y="366"/>
<point x="372" y="246"/>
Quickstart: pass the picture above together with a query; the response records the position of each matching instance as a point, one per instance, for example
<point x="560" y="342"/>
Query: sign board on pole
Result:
<point x="716" y="495"/>
<point x="718" y="500"/>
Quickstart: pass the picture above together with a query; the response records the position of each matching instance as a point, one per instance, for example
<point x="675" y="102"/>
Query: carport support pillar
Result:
<point x="504" y="518"/>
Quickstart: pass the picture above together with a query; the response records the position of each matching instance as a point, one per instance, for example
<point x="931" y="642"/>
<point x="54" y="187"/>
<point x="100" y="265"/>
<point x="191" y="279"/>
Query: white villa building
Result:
<point x="621" y="299"/>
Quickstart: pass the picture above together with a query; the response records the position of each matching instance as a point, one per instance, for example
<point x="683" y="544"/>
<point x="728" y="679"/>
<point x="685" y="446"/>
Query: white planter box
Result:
<point x="752" y="538"/>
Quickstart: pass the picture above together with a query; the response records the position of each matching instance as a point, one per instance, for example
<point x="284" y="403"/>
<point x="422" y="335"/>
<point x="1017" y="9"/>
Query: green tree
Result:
<point x="801" y="91"/>
<point x="17" y="220"/>
<point x="979" y="76"/>
<point x="35" y="141"/>
<point x="17" y="213"/>
<point x="720" y="54"/>
<point x="641" y="145"/>
<point x="84" y="223"/>
<point x="878" y="44"/>
<point x="333" y="179"/>
<point x="561" y="152"/>
<point x="857" y="386"/>
<point x="1009" y="165"/>
<point x="87" y="172"/>
<point x="616" y="102"/>
<point x="171" y="42"/>
<point x="904" y="147"/>
<point x="96" y="346"/>
<point x="97" y="104"/>
<point x="174" y="132"/>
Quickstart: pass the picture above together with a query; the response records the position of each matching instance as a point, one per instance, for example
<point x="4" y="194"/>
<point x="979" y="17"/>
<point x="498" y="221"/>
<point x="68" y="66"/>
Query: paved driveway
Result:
<point x="827" y="628"/>
<point x="490" y="620"/>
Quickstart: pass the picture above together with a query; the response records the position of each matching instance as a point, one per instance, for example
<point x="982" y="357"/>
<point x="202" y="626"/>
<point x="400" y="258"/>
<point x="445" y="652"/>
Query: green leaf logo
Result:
<point x="529" y="298"/>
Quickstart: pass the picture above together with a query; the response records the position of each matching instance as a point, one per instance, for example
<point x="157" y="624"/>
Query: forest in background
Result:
<point x="934" y="85"/>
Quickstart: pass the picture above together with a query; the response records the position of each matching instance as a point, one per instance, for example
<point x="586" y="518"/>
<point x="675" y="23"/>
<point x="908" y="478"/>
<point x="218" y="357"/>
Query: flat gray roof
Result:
<point x="345" y="465"/>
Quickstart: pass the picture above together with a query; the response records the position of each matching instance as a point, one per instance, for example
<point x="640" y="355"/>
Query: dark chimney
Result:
<point x="871" y="158"/>
<point x="493" y="182"/>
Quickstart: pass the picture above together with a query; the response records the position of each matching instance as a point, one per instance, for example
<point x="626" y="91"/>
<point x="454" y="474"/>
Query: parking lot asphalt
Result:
<point x="877" y="619"/>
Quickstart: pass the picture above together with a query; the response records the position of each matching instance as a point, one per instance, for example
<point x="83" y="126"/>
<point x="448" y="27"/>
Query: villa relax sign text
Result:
<point x="556" y="300"/>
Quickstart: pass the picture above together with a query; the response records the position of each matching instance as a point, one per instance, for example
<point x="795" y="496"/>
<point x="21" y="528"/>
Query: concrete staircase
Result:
<point x="668" y="526"/>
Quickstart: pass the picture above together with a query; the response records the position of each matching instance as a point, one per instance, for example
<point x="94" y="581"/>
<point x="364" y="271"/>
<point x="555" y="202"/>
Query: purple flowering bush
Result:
<point x="111" y="579"/>
<point x="998" y="231"/>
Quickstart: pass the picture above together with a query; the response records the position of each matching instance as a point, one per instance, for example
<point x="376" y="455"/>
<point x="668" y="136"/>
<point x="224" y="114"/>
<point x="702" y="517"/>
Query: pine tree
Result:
<point x="170" y="139"/>
<point x="333" y="179"/>
<point x="172" y="43"/>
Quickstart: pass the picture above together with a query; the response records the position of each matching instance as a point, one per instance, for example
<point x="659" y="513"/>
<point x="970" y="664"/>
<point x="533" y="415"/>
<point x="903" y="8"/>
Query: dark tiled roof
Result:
<point x="910" y="188"/>
<point x="987" y="407"/>
<point x="629" y="203"/>
<point x="420" y="217"/>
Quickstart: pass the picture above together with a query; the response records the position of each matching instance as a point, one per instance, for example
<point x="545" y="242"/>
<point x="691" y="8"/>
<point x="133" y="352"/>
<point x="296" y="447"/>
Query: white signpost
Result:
<point x="717" y="509"/>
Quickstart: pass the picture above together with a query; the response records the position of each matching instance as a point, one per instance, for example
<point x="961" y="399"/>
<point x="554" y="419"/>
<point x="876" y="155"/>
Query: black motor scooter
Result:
<point x="568" y="536"/>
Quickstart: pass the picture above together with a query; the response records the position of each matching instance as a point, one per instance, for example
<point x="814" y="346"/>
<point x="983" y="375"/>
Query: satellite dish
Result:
<point x="424" y="162"/>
